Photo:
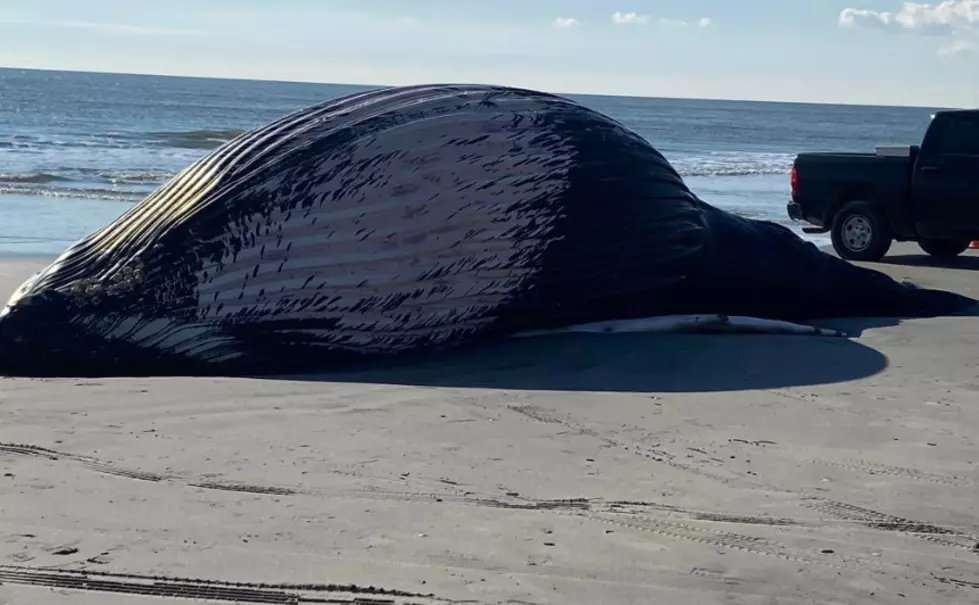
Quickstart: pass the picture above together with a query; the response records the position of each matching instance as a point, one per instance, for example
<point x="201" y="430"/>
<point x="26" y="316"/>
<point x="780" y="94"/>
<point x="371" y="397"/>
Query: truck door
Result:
<point x="945" y="183"/>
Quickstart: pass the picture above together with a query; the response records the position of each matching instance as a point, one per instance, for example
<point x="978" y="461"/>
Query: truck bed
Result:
<point x="824" y="179"/>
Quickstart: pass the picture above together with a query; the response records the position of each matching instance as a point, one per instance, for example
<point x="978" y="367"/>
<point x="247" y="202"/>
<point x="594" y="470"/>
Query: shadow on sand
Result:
<point x="640" y="363"/>
<point x="962" y="263"/>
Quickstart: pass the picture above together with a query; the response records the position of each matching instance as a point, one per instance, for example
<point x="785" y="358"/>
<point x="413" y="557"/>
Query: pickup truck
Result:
<point x="927" y="193"/>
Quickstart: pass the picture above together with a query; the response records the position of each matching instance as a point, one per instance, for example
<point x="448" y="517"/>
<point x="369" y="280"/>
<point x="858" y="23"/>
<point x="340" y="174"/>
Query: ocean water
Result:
<point x="78" y="149"/>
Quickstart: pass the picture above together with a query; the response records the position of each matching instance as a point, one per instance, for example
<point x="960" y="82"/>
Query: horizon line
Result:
<point x="378" y="85"/>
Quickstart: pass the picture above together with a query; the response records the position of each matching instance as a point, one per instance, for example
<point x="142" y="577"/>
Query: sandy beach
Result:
<point x="583" y="469"/>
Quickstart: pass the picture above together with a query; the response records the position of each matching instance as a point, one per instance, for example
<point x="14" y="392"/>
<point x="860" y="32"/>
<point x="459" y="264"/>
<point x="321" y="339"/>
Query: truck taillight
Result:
<point x="794" y="181"/>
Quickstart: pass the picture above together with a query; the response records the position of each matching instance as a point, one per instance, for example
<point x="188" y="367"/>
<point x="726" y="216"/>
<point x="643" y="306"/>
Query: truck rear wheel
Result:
<point x="859" y="233"/>
<point x="944" y="248"/>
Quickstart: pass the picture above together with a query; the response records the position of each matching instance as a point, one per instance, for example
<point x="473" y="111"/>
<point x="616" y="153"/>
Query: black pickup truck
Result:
<point x="926" y="193"/>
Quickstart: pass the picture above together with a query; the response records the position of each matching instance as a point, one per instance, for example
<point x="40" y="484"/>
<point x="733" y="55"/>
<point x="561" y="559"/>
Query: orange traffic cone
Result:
<point x="974" y="244"/>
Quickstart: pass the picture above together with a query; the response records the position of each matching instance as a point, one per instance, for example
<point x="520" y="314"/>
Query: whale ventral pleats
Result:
<point x="408" y="220"/>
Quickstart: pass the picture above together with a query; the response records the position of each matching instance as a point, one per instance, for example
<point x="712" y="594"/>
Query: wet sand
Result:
<point x="575" y="469"/>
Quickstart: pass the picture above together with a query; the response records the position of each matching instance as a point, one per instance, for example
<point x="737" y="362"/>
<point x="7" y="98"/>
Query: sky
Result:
<point x="877" y="52"/>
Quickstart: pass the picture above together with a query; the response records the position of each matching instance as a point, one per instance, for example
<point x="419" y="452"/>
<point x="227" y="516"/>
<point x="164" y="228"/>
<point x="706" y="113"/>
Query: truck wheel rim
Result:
<point x="857" y="233"/>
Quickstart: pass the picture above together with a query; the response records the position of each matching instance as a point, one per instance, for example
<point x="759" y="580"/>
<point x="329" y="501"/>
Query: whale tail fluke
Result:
<point x="763" y="269"/>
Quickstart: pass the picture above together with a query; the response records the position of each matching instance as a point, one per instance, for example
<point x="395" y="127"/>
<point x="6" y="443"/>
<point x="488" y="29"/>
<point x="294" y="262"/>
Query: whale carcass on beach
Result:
<point x="419" y="218"/>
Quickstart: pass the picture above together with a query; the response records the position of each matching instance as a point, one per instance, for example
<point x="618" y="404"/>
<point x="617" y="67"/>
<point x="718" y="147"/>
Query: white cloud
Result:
<point x="914" y="17"/>
<point x="111" y="28"/>
<point x="959" y="48"/>
<point x="565" y="22"/>
<point x="703" y="23"/>
<point x="630" y="19"/>
<point x="955" y="20"/>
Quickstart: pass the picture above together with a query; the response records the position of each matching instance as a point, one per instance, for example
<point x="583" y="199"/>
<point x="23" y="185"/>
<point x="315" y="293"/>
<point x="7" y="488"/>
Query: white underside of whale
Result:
<point x="697" y="323"/>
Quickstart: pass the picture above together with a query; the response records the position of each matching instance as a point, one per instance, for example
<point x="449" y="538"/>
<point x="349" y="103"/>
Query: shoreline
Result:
<point x="40" y="226"/>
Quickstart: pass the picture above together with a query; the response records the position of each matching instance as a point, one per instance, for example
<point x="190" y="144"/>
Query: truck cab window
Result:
<point x="961" y="137"/>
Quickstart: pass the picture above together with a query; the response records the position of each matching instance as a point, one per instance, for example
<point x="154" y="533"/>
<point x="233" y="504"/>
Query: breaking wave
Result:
<point x="73" y="193"/>
<point x="733" y="164"/>
<point x="31" y="177"/>
<point x="194" y="139"/>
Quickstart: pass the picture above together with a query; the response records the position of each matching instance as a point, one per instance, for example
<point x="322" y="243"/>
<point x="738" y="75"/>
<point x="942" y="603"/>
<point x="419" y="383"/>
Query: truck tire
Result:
<point x="944" y="248"/>
<point x="860" y="233"/>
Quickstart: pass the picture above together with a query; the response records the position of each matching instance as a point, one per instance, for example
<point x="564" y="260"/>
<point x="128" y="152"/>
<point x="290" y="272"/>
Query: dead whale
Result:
<point x="413" y="219"/>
